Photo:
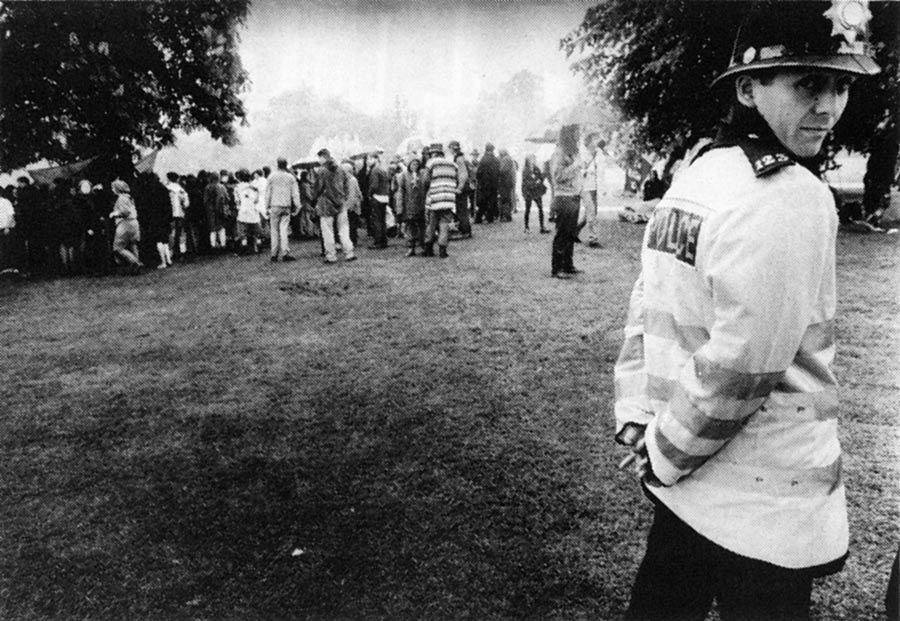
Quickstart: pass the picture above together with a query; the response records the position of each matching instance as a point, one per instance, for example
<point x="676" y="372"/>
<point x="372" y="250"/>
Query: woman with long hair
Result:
<point x="565" y="170"/>
<point x="533" y="190"/>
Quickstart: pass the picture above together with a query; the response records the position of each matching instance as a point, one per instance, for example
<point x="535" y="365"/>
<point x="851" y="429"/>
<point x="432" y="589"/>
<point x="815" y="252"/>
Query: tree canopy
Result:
<point x="81" y="79"/>
<point x="656" y="59"/>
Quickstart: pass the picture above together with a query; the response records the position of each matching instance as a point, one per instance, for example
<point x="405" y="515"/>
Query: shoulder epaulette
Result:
<point x="764" y="158"/>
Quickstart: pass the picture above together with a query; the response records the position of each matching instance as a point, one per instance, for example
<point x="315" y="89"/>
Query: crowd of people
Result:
<point x="423" y="199"/>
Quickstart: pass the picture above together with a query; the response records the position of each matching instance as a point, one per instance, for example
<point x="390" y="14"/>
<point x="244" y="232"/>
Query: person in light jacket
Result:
<point x="724" y="386"/>
<point x="128" y="231"/>
<point x="282" y="201"/>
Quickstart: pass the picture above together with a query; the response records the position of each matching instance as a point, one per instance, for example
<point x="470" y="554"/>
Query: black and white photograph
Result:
<point x="480" y="309"/>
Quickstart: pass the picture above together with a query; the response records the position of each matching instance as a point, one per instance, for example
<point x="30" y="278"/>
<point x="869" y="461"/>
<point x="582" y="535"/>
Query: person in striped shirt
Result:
<point x="724" y="387"/>
<point x="440" y="200"/>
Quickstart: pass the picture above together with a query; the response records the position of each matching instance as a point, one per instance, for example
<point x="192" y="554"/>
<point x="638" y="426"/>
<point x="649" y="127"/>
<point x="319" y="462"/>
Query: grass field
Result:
<point x="392" y="438"/>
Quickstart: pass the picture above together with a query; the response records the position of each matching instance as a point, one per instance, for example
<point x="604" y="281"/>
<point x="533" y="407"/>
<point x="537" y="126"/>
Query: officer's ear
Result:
<point x="743" y="87"/>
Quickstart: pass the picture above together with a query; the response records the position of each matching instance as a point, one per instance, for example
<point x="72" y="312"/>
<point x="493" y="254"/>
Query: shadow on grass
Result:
<point x="346" y="511"/>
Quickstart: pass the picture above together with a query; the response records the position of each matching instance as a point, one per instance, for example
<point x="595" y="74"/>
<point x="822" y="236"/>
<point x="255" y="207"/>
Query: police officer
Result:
<point x="724" y="387"/>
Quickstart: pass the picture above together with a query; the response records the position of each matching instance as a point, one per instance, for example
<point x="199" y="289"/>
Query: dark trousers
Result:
<point x="683" y="572"/>
<point x="379" y="227"/>
<point x="892" y="597"/>
<point x="7" y="248"/>
<point x="540" y="209"/>
<point x="487" y="206"/>
<point x="415" y="231"/>
<point x="566" y="209"/>
<point x="367" y="217"/>
<point x="353" y="219"/>
<point x="507" y="197"/>
<point x="462" y="213"/>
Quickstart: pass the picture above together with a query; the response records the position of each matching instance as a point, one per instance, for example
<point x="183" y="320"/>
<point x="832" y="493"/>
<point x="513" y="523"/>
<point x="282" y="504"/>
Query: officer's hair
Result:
<point x="765" y="76"/>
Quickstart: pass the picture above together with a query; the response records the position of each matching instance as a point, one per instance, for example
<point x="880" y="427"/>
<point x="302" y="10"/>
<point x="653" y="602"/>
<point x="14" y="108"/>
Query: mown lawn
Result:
<point x="393" y="438"/>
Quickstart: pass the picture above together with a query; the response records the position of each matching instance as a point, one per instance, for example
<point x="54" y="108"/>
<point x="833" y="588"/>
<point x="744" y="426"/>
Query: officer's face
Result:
<point x="801" y="107"/>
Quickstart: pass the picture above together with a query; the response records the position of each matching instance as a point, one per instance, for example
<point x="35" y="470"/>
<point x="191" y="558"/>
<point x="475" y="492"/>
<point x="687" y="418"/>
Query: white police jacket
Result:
<point x="727" y="357"/>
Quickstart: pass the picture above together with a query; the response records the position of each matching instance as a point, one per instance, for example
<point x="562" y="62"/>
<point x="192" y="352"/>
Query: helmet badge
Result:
<point x="849" y="18"/>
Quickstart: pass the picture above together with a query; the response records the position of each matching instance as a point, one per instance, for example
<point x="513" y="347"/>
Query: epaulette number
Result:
<point x="770" y="161"/>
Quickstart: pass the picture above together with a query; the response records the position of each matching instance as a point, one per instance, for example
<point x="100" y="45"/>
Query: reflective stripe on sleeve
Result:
<point x="664" y="325"/>
<point x="682" y="461"/>
<point x="702" y="425"/>
<point x="721" y="381"/>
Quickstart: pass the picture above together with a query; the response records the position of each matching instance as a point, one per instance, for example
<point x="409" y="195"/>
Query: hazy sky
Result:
<point x="436" y="55"/>
<point x="432" y="53"/>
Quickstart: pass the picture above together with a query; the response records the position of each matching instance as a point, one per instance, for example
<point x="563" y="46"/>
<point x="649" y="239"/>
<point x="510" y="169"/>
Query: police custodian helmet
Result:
<point x="805" y="34"/>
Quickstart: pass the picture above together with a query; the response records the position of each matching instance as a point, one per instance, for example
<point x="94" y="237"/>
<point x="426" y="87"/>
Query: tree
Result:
<point x="505" y="115"/>
<point x="86" y="79"/>
<point x="656" y="59"/>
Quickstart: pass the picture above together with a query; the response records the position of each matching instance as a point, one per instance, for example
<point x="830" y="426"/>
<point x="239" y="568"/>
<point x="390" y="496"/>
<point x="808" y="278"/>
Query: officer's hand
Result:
<point x="642" y="466"/>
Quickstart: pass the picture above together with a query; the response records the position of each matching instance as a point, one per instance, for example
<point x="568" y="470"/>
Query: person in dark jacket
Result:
<point x="412" y="197"/>
<point x="362" y="179"/>
<point x="69" y="223"/>
<point x="331" y="191"/>
<point x="196" y="212"/>
<point x="463" y="189"/>
<point x="28" y="221"/>
<point x="533" y="190"/>
<point x="98" y="239"/>
<point x="507" y="188"/>
<point x="488" y="179"/>
<point x="654" y="187"/>
<point x="379" y="190"/>
<point x="155" y="216"/>
<point x="215" y="202"/>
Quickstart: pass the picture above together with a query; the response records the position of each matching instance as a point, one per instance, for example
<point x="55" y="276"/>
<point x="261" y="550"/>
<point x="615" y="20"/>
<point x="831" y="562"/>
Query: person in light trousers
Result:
<point x="592" y="186"/>
<point x="331" y="192"/>
<point x="282" y="202"/>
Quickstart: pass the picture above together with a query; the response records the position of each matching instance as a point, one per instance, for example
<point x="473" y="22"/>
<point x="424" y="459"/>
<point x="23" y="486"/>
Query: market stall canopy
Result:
<point x="585" y="114"/>
<point x="305" y="163"/>
<point x="50" y="174"/>
<point x="413" y="144"/>
<point x="363" y="153"/>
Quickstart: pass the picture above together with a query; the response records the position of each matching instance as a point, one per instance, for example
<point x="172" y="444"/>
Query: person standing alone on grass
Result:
<point x="331" y="192"/>
<point x="565" y="170"/>
<point x="440" y="200"/>
<point x="724" y="387"/>
<point x="282" y="202"/>
<point x="533" y="190"/>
